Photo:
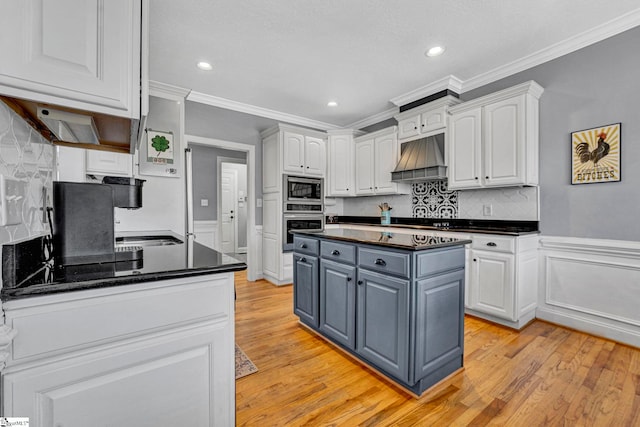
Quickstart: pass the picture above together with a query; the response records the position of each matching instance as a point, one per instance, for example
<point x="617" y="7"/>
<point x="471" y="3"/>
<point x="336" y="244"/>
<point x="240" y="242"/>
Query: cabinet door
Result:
<point x="382" y="327"/>
<point x="365" y="167"/>
<point x="439" y="322"/>
<point x="434" y="119"/>
<point x="271" y="176"/>
<point x="492" y="284"/>
<point x="386" y="159"/>
<point x="76" y="53"/>
<point x="409" y="127"/>
<point x="504" y="142"/>
<point x="338" y="302"/>
<point x="108" y="163"/>
<point x="293" y="153"/>
<point x="178" y="380"/>
<point x="464" y="145"/>
<point x="340" y="174"/>
<point x="315" y="155"/>
<point x="305" y="288"/>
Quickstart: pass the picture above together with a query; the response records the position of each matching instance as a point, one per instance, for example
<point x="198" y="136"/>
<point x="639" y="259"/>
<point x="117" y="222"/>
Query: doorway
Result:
<point x="252" y="255"/>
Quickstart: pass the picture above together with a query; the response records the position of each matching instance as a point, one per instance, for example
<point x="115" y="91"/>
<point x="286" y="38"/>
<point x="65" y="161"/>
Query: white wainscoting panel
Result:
<point x="591" y="285"/>
<point x="206" y="233"/>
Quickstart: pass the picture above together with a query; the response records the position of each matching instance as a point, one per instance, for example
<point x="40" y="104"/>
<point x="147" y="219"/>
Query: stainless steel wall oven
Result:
<point x="307" y="222"/>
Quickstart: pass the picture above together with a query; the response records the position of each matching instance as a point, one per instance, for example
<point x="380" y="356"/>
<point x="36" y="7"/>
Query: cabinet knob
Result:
<point x="474" y="260"/>
<point x="335" y="252"/>
<point x="380" y="262"/>
<point x="492" y="244"/>
<point x="370" y="188"/>
<point x="303" y="259"/>
<point x="307" y="167"/>
<point x="360" y="282"/>
<point x="476" y="177"/>
<point x="301" y="166"/>
<point x="415" y="127"/>
<point x="486" y="177"/>
<point x="348" y="279"/>
<point x="303" y="245"/>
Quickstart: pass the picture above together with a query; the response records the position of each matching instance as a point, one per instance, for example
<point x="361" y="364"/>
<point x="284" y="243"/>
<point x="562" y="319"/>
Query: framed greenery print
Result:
<point x="158" y="153"/>
<point x="595" y="155"/>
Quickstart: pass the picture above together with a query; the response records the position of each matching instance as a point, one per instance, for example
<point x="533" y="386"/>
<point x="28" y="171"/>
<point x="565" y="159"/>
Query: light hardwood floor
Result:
<point x="544" y="375"/>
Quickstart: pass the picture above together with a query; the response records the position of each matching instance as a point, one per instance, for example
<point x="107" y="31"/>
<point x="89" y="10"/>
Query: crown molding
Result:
<point x="165" y="90"/>
<point x="587" y="38"/>
<point x="228" y="104"/>
<point x="372" y="120"/>
<point x="450" y="82"/>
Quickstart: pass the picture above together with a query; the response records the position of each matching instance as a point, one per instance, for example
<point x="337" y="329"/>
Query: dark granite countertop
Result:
<point x="158" y="263"/>
<point x="510" y="228"/>
<point x="387" y="239"/>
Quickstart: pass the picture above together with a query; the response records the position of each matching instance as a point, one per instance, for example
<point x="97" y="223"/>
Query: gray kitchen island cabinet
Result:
<point x="395" y="302"/>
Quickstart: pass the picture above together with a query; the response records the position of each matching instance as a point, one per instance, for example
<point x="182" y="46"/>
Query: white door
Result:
<point x="386" y="159"/>
<point x="464" y="153"/>
<point x="314" y="156"/>
<point x="228" y="179"/>
<point x="364" y="167"/>
<point x="492" y="284"/>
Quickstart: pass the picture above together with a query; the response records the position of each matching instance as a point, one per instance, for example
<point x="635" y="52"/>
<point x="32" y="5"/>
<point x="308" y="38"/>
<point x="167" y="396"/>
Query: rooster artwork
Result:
<point x="596" y="155"/>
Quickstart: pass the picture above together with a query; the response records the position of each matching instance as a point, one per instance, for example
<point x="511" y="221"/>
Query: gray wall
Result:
<point x="205" y="179"/>
<point x="594" y="86"/>
<point x="218" y="123"/>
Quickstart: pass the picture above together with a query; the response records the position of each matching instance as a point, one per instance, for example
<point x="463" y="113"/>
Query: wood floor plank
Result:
<point x="542" y="375"/>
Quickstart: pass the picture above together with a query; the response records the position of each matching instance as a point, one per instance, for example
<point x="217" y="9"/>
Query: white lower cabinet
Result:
<point x="156" y="353"/>
<point x="490" y="279"/>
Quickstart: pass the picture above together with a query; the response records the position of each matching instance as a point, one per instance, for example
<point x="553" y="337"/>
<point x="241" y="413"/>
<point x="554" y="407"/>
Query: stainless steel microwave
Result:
<point x="303" y="194"/>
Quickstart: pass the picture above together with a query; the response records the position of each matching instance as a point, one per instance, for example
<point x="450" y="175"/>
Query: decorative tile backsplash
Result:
<point x="432" y="199"/>
<point x="27" y="157"/>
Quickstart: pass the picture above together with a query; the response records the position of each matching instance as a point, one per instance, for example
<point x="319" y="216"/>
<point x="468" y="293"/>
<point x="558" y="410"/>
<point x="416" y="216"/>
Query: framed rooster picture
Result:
<point x="595" y="155"/>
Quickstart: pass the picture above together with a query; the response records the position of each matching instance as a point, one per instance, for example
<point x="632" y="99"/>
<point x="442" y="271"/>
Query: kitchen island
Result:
<point x="394" y="302"/>
<point x="142" y="342"/>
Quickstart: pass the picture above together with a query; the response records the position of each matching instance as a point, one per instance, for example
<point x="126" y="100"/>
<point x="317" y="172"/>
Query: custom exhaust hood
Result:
<point x="78" y="128"/>
<point x="421" y="160"/>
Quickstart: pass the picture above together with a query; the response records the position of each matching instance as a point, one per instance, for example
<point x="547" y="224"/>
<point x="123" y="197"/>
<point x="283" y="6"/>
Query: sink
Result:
<point x="145" y="241"/>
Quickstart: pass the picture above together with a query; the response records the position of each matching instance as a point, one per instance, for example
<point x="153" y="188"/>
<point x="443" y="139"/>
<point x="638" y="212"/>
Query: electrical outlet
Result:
<point x="258" y="203"/>
<point x="487" y="210"/>
<point x="12" y="196"/>
<point x="204" y="202"/>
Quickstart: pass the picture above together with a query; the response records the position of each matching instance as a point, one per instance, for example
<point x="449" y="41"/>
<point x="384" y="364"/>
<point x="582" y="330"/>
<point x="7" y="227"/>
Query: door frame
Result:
<point x="222" y="160"/>
<point x="250" y="150"/>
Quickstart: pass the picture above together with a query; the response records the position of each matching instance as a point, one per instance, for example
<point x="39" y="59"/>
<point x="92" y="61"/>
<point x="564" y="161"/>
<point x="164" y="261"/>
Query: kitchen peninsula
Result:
<point x="141" y="342"/>
<point x="393" y="301"/>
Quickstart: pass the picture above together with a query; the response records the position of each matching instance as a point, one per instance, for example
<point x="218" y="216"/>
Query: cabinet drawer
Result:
<point x="383" y="261"/>
<point x="494" y="243"/>
<point x="306" y="245"/>
<point x="340" y="252"/>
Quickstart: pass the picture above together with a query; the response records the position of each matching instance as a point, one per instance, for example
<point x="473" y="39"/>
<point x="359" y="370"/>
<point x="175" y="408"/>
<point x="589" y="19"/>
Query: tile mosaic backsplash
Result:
<point x="28" y="158"/>
<point x="432" y="199"/>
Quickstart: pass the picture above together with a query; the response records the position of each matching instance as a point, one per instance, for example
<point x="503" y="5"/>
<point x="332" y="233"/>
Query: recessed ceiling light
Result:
<point x="332" y="104"/>
<point x="435" y="51"/>
<point x="204" y="66"/>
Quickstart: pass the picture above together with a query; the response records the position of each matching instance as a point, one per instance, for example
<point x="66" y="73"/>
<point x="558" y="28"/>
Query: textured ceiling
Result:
<point x="293" y="56"/>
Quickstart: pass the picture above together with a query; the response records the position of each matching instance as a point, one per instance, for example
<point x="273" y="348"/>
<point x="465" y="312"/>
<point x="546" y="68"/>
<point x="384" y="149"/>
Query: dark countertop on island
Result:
<point x="158" y="263"/>
<point x="386" y="239"/>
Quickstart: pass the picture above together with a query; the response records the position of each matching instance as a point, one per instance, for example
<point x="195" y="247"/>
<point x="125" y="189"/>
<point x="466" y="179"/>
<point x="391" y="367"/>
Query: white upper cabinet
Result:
<point x="341" y="164"/>
<point x="377" y="155"/>
<point x="303" y="155"/>
<point x="493" y="140"/>
<point x="291" y="150"/>
<point x="109" y="163"/>
<point x="425" y="119"/>
<point x="83" y="54"/>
